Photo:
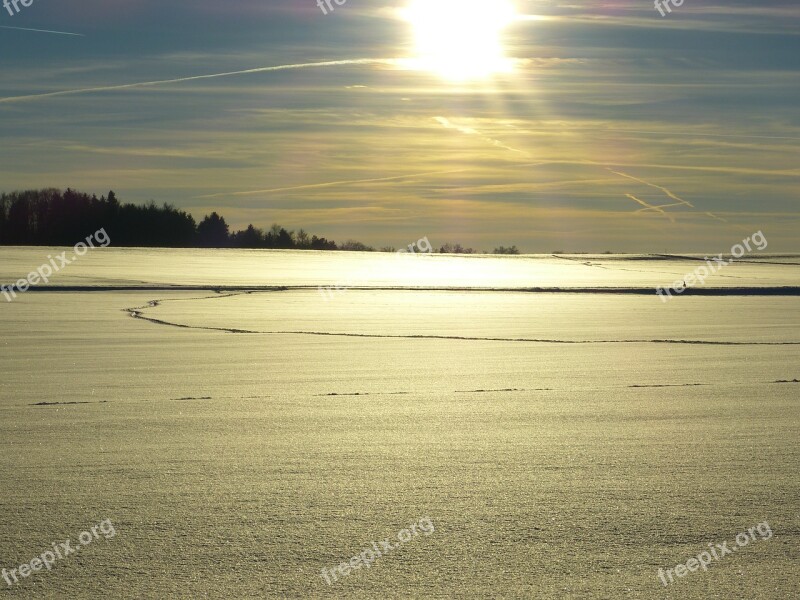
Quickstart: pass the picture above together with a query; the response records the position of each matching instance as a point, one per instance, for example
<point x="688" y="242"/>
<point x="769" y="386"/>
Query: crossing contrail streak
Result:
<point x="662" y="206"/>
<point x="41" y="30"/>
<point x="107" y="88"/>
<point x="647" y="206"/>
<point x="663" y="189"/>
<point x="681" y="201"/>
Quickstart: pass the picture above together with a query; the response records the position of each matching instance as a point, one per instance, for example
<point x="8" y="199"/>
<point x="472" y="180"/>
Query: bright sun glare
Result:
<point x="460" y="40"/>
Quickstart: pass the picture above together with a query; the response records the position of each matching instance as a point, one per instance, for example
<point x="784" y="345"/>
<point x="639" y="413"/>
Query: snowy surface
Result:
<point x="563" y="445"/>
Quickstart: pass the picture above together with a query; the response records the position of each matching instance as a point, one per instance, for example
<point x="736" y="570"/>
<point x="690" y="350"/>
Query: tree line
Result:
<point x="51" y="217"/>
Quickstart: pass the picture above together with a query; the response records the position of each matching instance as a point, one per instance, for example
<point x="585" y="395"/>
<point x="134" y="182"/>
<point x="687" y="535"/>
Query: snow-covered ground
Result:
<point x="562" y="444"/>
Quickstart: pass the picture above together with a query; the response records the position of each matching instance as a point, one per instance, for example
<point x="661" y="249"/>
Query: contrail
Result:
<point x="41" y="30"/>
<point x="681" y="201"/>
<point x="447" y="124"/>
<point x="330" y="63"/>
<point x="660" y="206"/>
<point x="663" y="189"/>
<point x="651" y="207"/>
<point x="713" y="216"/>
<point x="696" y="134"/>
<point x="329" y="184"/>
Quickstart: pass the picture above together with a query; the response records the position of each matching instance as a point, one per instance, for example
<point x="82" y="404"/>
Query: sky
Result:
<point x="567" y="126"/>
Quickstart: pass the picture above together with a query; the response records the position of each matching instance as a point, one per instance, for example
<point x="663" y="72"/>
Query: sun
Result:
<point x="461" y="40"/>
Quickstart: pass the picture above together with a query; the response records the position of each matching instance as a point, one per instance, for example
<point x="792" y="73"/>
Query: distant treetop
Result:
<point x="52" y="217"/>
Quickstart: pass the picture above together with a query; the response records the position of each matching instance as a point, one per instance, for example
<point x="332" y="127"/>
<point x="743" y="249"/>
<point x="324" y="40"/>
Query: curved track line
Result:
<point x="137" y="313"/>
